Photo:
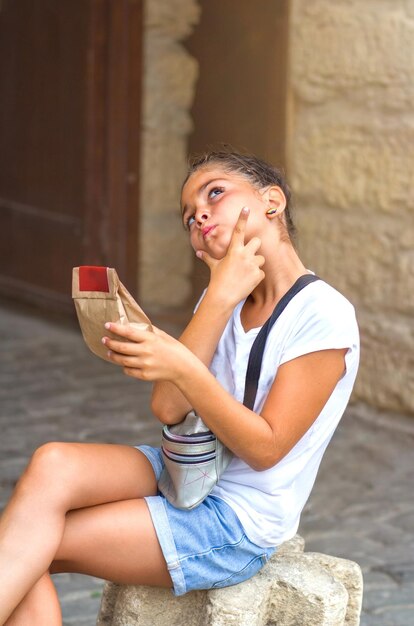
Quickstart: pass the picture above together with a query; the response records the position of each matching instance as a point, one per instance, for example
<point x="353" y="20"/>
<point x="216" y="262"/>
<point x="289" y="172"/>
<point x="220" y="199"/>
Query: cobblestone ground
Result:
<point x="362" y="508"/>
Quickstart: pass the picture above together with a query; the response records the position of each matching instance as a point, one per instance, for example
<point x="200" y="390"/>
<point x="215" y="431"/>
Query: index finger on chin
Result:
<point x="240" y="227"/>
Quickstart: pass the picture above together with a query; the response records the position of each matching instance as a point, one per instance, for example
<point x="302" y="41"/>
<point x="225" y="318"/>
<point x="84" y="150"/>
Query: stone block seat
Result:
<point x="293" y="589"/>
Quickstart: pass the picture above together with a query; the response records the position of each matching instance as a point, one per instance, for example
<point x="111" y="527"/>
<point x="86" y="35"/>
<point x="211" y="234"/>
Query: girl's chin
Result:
<point x="218" y="254"/>
<point x="218" y="250"/>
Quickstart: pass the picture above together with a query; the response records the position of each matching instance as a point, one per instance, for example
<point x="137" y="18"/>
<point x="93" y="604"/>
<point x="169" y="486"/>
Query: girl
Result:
<point x="94" y="509"/>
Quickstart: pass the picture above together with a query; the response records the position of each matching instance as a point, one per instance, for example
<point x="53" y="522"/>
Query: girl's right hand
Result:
<point x="234" y="277"/>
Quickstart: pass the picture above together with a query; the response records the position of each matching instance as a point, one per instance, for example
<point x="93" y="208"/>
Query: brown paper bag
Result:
<point x="100" y="297"/>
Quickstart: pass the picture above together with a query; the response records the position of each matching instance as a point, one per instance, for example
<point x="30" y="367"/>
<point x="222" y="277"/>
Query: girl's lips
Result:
<point x="206" y="231"/>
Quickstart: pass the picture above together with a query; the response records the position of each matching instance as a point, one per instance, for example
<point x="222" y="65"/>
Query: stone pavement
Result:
<point x="362" y="507"/>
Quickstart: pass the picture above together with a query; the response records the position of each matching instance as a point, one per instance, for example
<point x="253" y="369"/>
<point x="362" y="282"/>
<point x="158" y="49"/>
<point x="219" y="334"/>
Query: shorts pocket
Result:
<point x="249" y="570"/>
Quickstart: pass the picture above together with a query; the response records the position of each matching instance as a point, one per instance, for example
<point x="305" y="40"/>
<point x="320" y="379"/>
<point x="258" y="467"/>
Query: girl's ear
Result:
<point x="276" y="201"/>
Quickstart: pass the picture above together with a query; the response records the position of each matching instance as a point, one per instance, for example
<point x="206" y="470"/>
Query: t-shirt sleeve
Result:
<point x="331" y="326"/>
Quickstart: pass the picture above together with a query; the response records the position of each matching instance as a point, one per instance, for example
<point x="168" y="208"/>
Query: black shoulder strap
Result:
<point x="256" y="353"/>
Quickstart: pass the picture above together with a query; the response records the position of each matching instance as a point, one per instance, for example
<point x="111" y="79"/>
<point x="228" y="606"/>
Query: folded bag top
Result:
<point x="100" y="297"/>
<point x="93" y="279"/>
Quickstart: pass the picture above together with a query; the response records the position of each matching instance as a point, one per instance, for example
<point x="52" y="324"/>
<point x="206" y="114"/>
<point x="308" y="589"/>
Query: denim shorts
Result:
<point x="205" y="547"/>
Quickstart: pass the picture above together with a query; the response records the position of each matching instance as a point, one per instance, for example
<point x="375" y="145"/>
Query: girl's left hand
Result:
<point x="147" y="355"/>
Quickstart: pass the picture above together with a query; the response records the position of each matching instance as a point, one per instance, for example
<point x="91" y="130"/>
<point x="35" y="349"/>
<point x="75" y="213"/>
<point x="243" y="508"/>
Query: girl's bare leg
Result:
<point x="36" y="525"/>
<point x="114" y="541"/>
<point x="39" y="607"/>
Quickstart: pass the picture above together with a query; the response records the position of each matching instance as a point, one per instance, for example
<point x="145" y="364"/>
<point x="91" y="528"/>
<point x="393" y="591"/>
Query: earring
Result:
<point x="271" y="212"/>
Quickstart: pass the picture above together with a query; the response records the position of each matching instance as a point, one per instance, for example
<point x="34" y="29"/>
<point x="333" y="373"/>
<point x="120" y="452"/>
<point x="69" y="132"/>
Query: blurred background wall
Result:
<point x="101" y="101"/>
<point x="351" y="161"/>
<point x="241" y="48"/>
<point x="241" y="95"/>
<point x="169" y="83"/>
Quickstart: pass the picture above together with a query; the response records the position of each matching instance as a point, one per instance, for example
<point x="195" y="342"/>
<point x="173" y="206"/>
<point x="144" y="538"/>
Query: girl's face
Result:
<point x="211" y="203"/>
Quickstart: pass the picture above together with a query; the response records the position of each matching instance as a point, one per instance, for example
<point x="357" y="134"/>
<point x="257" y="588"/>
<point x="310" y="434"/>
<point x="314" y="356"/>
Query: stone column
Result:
<point x="170" y="75"/>
<point x="352" y="169"/>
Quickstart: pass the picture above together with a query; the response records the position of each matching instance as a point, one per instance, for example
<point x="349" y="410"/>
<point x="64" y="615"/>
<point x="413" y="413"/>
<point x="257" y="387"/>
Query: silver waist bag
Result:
<point x="194" y="461"/>
<point x="194" y="458"/>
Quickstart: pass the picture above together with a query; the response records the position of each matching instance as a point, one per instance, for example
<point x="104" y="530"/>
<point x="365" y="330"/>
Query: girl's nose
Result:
<point x="201" y="216"/>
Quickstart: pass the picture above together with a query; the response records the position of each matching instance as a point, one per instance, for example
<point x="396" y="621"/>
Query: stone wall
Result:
<point x="169" y="85"/>
<point x="352" y="166"/>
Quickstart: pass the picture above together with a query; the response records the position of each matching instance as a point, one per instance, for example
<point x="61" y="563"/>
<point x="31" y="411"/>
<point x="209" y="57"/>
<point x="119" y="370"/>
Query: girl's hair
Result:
<point x="258" y="172"/>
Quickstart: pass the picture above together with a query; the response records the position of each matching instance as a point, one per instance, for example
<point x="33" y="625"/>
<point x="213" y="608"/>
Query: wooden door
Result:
<point x="70" y="93"/>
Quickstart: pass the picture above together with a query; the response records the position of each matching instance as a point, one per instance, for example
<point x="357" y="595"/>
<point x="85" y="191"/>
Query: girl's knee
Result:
<point x="50" y="455"/>
<point x="51" y="465"/>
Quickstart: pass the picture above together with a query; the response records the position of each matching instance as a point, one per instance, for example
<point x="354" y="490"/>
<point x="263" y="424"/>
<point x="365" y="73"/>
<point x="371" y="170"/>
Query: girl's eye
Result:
<point x="189" y="221"/>
<point x="215" y="191"/>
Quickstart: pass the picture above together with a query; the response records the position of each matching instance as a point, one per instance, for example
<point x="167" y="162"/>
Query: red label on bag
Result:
<point x="93" y="278"/>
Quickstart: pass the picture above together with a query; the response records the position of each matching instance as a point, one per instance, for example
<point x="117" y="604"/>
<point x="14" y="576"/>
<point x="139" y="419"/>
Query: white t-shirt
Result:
<point x="269" y="503"/>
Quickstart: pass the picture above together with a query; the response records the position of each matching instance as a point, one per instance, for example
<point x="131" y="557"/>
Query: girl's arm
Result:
<point x="231" y="279"/>
<point x="201" y="337"/>
<point x="299" y="392"/>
